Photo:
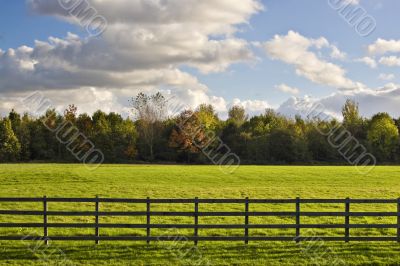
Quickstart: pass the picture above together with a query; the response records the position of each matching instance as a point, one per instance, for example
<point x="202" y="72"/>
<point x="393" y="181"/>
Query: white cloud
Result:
<point x="382" y="46"/>
<point x="252" y="107"/>
<point x="369" y="61"/>
<point x="143" y="34"/>
<point x="384" y="76"/>
<point x="386" y="47"/>
<point x="143" y="49"/>
<point x="287" y="89"/>
<point x="337" y="54"/>
<point x="390" y="61"/>
<point x="296" y="50"/>
<point x="386" y="99"/>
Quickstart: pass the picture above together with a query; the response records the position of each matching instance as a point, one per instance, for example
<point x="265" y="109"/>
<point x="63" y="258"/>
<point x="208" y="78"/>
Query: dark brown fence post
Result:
<point x="297" y="219"/>
<point x="246" y="221"/>
<point x="398" y="220"/>
<point x="196" y="219"/>
<point x="347" y="221"/>
<point x="45" y="232"/>
<point x="148" y="220"/>
<point x="97" y="231"/>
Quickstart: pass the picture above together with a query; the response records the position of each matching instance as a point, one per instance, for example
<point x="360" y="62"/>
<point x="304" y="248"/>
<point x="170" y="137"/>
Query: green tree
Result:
<point x="15" y="120"/>
<point x="102" y="135"/>
<point x="352" y="120"/>
<point x="237" y="114"/>
<point x="318" y="145"/>
<point x="284" y="146"/>
<point x="383" y="136"/>
<point x="9" y="145"/>
<point x="24" y="137"/>
<point x="262" y="125"/>
<point x="207" y="117"/>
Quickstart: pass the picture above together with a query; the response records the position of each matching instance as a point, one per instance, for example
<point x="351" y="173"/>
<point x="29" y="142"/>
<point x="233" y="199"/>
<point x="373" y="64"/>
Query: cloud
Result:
<point x="390" y="61"/>
<point x="369" y="61"/>
<point x="287" y="89"/>
<point x="337" y="54"/>
<point x="252" y="107"/>
<point x="385" y="99"/>
<point x="384" y="76"/>
<point x="143" y="34"/>
<point x="382" y="46"/>
<point x="144" y="47"/>
<point x="296" y="50"/>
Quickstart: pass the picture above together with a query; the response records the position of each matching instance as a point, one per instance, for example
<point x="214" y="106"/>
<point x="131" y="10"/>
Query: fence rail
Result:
<point x="297" y="214"/>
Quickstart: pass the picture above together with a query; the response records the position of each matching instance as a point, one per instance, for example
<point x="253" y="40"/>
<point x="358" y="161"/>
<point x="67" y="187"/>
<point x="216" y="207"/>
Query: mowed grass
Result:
<point x="157" y="181"/>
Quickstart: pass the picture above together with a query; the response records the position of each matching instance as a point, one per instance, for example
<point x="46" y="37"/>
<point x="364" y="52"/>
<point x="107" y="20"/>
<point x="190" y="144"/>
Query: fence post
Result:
<point x="246" y="221"/>
<point x="347" y="221"/>
<point x="148" y="220"/>
<point x="398" y="220"/>
<point x="45" y="232"/>
<point x="196" y="220"/>
<point x="97" y="231"/>
<point x="297" y="219"/>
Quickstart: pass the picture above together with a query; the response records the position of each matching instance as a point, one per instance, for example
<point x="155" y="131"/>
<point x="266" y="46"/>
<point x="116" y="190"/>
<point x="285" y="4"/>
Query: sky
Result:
<point x="281" y="54"/>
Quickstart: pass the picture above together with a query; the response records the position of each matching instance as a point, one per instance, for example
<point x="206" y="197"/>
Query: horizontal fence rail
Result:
<point x="147" y="213"/>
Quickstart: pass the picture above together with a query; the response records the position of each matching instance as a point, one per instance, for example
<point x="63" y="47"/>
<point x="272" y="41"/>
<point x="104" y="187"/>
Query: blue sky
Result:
<point x="314" y="20"/>
<point x="257" y="79"/>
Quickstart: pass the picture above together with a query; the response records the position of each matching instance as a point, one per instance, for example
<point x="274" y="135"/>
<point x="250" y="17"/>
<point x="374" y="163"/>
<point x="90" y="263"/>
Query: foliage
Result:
<point x="267" y="138"/>
<point x="383" y="136"/>
<point x="237" y="114"/>
<point x="9" y="144"/>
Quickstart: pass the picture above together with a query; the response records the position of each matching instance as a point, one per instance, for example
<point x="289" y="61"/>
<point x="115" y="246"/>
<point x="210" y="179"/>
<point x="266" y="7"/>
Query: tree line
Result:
<point x="190" y="135"/>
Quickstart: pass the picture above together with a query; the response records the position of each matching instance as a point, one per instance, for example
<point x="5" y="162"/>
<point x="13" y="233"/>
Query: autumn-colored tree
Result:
<point x="189" y="135"/>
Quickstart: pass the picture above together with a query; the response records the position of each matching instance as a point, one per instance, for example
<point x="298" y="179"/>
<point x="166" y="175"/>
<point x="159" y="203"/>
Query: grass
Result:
<point x="127" y="181"/>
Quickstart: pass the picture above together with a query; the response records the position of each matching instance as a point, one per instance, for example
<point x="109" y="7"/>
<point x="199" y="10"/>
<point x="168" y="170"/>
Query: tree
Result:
<point x="15" y="120"/>
<point x="44" y="143"/>
<point x="128" y="135"/>
<point x="318" y="145"/>
<point x="263" y="124"/>
<point x="150" y="112"/>
<point x="383" y="136"/>
<point x="207" y="117"/>
<point x="85" y="124"/>
<point x="237" y="114"/>
<point x="352" y="120"/>
<point x="70" y="113"/>
<point x="102" y="133"/>
<point x="284" y="146"/>
<point x="189" y="134"/>
<point x="24" y="136"/>
<point x="123" y="138"/>
<point x="9" y="144"/>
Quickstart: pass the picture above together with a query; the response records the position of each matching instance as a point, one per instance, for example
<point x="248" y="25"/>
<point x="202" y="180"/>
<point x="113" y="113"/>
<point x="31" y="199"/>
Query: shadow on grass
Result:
<point x="205" y="253"/>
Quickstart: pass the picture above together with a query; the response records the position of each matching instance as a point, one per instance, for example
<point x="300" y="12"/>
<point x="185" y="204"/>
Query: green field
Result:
<point x="126" y="181"/>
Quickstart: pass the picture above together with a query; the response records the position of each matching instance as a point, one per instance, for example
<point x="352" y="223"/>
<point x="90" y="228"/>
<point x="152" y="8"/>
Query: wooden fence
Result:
<point x="297" y="214"/>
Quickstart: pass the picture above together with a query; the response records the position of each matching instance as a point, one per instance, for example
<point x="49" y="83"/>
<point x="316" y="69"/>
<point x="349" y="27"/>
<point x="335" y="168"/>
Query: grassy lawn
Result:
<point x="125" y="181"/>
